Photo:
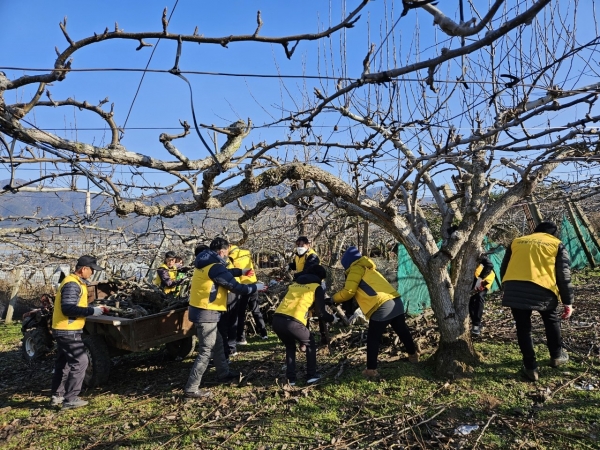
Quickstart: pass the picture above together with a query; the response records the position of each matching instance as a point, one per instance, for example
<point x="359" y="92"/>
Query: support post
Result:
<point x="588" y="224"/>
<point x="586" y="249"/>
<point x="14" y="296"/>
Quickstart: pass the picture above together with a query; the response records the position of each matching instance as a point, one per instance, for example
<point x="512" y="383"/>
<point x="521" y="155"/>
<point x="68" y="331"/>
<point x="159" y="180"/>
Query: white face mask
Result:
<point x="301" y="250"/>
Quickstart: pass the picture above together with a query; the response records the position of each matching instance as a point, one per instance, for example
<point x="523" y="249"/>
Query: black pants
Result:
<point x="251" y="302"/>
<point x="227" y="325"/>
<point x="476" y="304"/>
<point x="69" y="369"/>
<point x="553" y="337"/>
<point x="291" y="331"/>
<point x="375" y="331"/>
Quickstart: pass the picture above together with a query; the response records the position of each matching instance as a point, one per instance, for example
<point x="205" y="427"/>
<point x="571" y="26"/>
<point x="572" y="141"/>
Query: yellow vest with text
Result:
<point x="297" y="301"/>
<point x="59" y="320"/>
<point x="490" y="278"/>
<point x="172" y="274"/>
<point x="301" y="260"/>
<point x="533" y="258"/>
<point x="242" y="259"/>
<point x="205" y="294"/>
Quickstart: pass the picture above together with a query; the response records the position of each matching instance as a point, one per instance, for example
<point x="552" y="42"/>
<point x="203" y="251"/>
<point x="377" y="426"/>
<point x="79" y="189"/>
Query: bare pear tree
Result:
<point x="492" y="100"/>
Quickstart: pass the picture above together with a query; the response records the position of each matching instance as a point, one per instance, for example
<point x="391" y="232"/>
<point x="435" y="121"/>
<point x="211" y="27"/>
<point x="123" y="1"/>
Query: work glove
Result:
<point x="567" y="312"/>
<point x="261" y="287"/>
<point x="336" y="319"/>
<point x="247" y="272"/>
<point x="99" y="310"/>
<point x="479" y="285"/>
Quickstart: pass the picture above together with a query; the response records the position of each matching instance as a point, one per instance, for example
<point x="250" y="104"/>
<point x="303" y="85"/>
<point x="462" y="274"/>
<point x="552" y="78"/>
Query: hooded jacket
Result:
<point x="211" y="282"/>
<point x="535" y="272"/>
<point x="304" y="294"/>
<point x="366" y="285"/>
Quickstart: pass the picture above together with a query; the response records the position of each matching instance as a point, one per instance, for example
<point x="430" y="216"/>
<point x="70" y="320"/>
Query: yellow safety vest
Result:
<point x="490" y="278"/>
<point x="59" y="320"/>
<point x="533" y="258"/>
<point x="301" y="260"/>
<point x="158" y="281"/>
<point x="242" y="259"/>
<point x="205" y="294"/>
<point x="297" y="301"/>
<point x="367" y="286"/>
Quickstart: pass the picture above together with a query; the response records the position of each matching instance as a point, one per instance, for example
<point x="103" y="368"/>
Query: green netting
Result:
<point x="569" y="238"/>
<point x="496" y="258"/>
<point x="590" y="243"/>
<point x="413" y="289"/>
<point x="411" y="284"/>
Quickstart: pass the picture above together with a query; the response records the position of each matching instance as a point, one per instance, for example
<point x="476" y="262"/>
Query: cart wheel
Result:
<point x="98" y="368"/>
<point x="182" y="348"/>
<point x="36" y="343"/>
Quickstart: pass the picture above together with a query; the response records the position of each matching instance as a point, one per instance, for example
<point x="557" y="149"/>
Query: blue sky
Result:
<point x="31" y="32"/>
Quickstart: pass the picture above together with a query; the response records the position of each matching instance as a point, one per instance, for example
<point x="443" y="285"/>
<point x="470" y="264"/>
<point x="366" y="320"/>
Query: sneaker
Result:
<point x="370" y="373"/>
<point x="532" y="374"/>
<point x="75" y="402"/>
<point x="561" y="360"/>
<point x="231" y="376"/>
<point x="243" y="341"/>
<point x="197" y="394"/>
<point x="292" y="382"/>
<point x="314" y="379"/>
<point x="476" y="330"/>
<point x="414" y="358"/>
<point x="233" y="354"/>
<point x="265" y="338"/>
<point x="56" y="400"/>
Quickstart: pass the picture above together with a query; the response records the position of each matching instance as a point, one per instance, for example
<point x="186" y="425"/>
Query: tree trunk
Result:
<point x="455" y="355"/>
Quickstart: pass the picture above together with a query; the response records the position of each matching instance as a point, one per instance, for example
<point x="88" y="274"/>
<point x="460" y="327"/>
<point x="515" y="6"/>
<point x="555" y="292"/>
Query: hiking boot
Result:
<point x="476" y="330"/>
<point x="314" y="379"/>
<point x="197" y="394"/>
<point x="370" y="373"/>
<point x="414" y="358"/>
<point x="242" y="341"/>
<point x="532" y="374"/>
<point x="231" y="376"/>
<point x="561" y="360"/>
<point x="75" y="402"/>
<point x="56" y="400"/>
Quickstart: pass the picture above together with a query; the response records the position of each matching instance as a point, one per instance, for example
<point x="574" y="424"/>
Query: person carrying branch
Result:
<point x="210" y="285"/>
<point x="68" y="319"/>
<point x="291" y="319"/>
<point x="379" y="302"/>
<point x="483" y="280"/>
<point x="536" y="273"/>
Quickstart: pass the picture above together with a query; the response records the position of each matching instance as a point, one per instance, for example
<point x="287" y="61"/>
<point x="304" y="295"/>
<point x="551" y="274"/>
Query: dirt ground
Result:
<point x="141" y="407"/>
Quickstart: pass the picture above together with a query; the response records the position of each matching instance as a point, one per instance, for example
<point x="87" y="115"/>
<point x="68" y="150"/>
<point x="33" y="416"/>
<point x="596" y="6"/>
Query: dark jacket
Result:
<point x="222" y="276"/>
<point x="318" y="307"/>
<point x="311" y="260"/>
<point x="69" y="298"/>
<point x="531" y="296"/>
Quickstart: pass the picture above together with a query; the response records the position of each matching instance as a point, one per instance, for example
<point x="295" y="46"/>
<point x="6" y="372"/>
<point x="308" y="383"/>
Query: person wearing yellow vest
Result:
<point x="378" y="301"/>
<point x="68" y="319"/>
<point x="291" y="318"/>
<point x="211" y="282"/>
<point x="242" y="259"/>
<point x="304" y="257"/>
<point x="166" y="274"/>
<point x="536" y="273"/>
<point x="482" y="282"/>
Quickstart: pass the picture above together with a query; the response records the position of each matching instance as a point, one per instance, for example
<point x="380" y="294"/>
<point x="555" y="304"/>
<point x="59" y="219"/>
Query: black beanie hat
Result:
<point x="546" y="227"/>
